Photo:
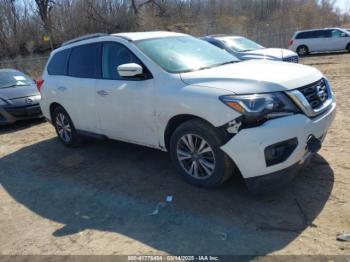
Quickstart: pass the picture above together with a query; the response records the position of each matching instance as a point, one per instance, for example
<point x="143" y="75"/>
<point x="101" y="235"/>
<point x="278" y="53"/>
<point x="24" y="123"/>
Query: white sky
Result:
<point x="344" y="5"/>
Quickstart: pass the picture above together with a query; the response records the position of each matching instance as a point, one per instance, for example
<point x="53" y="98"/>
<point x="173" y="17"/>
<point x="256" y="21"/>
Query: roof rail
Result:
<point x="217" y="35"/>
<point x="84" y="37"/>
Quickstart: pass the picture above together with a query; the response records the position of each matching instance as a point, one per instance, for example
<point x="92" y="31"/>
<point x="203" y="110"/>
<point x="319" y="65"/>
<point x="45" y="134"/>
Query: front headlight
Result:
<point x="257" y="107"/>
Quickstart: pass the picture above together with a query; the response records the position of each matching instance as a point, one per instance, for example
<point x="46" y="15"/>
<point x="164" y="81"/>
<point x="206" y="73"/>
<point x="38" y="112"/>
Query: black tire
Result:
<point x="200" y="130"/>
<point x="348" y="47"/>
<point x="60" y="115"/>
<point x="303" y="50"/>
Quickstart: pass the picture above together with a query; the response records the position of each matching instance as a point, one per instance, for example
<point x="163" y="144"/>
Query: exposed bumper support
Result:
<point x="276" y="180"/>
<point x="247" y="147"/>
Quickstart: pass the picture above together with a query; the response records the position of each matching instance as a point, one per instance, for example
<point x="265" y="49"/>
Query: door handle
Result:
<point x="102" y="93"/>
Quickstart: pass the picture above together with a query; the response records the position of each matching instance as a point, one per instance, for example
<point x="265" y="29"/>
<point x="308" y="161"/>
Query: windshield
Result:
<point x="184" y="53"/>
<point x="241" y="44"/>
<point x="12" y="78"/>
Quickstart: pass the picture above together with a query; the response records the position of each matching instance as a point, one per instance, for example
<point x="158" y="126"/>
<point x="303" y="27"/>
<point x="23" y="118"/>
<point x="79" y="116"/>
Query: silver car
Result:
<point x="246" y="49"/>
<point x="19" y="97"/>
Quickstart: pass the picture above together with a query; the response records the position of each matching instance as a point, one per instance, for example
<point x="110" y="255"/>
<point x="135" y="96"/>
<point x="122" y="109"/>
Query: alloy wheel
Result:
<point x="195" y="156"/>
<point x="302" y="51"/>
<point x="63" y="128"/>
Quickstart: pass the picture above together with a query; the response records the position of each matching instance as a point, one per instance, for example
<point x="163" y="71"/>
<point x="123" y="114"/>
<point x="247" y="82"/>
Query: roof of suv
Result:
<point x="131" y="36"/>
<point x="135" y="36"/>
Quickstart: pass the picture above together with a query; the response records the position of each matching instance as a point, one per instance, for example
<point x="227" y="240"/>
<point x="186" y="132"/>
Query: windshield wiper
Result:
<point x="216" y="65"/>
<point x="229" y="62"/>
<point x="14" y="85"/>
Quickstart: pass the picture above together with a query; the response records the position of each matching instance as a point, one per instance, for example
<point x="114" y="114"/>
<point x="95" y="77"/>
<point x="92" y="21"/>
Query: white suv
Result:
<point x="170" y="91"/>
<point x="320" y="40"/>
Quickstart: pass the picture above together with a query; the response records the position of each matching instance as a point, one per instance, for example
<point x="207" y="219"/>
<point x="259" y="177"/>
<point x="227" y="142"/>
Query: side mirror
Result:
<point x="343" y="35"/>
<point x="130" y="70"/>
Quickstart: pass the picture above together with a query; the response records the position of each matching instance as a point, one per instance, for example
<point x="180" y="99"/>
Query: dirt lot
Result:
<point x="98" y="199"/>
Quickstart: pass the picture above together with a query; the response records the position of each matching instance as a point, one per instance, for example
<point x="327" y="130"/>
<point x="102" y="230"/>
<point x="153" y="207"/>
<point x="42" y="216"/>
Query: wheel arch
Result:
<point x="175" y="122"/>
<point x="348" y="47"/>
<point x="52" y="108"/>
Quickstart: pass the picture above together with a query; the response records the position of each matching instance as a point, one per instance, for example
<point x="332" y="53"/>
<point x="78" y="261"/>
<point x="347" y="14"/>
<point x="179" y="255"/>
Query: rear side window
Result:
<point x="311" y="34"/>
<point x="84" y="61"/>
<point x="58" y="63"/>
<point x="303" y="35"/>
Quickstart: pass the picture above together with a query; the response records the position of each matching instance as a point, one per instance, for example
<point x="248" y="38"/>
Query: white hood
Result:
<point x="268" y="53"/>
<point x="254" y="76"/>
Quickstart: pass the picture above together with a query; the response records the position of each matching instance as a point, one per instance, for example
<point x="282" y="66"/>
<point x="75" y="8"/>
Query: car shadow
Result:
<point x="20" y="125"/>
<point x="117" y="187"/>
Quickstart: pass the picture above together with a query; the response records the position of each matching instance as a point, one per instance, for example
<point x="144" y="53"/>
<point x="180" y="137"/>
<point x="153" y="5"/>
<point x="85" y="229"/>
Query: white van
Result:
<point x="320" y="40"/>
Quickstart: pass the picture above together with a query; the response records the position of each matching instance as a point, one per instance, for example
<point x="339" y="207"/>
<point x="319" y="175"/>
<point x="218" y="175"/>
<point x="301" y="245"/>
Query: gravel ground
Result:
<point x="98" y="199"/>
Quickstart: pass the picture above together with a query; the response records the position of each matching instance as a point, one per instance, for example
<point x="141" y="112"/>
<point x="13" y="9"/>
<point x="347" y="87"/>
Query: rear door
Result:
<point x="125" y="105"/>
<point x="78" y="88"/>
<point x="318" y="41"/>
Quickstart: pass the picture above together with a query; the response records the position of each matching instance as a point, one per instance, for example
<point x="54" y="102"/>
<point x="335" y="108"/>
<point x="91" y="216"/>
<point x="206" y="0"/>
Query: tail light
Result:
<point x="39" y="84"/>
<point x="290" y="42"/>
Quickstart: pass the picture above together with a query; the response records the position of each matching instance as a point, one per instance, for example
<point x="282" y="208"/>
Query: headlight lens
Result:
<point x="256" y="107"/>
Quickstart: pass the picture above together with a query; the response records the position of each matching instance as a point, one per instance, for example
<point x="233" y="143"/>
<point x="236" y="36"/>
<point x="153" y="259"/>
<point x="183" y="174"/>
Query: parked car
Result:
<point x="246" y="49"/>
<point x="171" y="91"/>
<point x="19" y="97"/>
<point x="320" y="40"/>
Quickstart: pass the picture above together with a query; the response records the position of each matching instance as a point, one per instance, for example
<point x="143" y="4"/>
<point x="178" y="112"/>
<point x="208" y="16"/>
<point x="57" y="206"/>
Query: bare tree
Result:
<point x="44" y="9"/>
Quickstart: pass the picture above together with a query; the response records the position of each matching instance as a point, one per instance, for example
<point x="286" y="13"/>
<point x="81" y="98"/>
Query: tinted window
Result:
<point x="114" y="55"/>
<point x="311" y="34"/>
<point x="320" y="34"/>
<point x="58" y="63"/>
<point x="303" y="35"/>
<point x="84" y="61"/>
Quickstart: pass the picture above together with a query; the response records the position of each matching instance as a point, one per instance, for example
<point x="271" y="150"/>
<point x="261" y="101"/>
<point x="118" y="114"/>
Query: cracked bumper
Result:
<point x="247" y="147"/>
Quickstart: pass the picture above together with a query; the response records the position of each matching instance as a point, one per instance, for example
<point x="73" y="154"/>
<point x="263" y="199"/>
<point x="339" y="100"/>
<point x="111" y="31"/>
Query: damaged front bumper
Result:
<point x="248" y="149"/>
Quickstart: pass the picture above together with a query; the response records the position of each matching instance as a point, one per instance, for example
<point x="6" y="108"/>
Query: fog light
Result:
<point x="279" y="152"/>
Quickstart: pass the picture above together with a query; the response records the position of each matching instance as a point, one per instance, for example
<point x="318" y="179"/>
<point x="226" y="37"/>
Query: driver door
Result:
<point x="125" y="105"/>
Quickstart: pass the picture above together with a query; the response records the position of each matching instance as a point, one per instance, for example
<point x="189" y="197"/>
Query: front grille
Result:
<point x="291" y="59"/>
<point x="316" y="93"/>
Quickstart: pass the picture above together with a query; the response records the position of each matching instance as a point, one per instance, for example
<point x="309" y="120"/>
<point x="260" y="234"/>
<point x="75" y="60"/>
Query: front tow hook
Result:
<point x="313" y="144"/>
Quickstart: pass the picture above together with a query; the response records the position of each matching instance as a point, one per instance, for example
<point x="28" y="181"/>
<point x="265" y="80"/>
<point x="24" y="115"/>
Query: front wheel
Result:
<point x="65" y="128"/>
<point x="195" y="152"/>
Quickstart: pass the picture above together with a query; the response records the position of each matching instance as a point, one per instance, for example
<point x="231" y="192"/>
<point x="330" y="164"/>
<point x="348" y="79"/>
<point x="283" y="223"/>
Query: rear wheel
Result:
<point x="65" y="128"/>
<point x="303" y="50"/>
<point x="348" y="47"/>
<point x="195" y="152"/>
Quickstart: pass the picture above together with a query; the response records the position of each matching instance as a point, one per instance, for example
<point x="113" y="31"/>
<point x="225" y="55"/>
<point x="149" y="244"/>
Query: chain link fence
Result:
<point x="32" y="66"/>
